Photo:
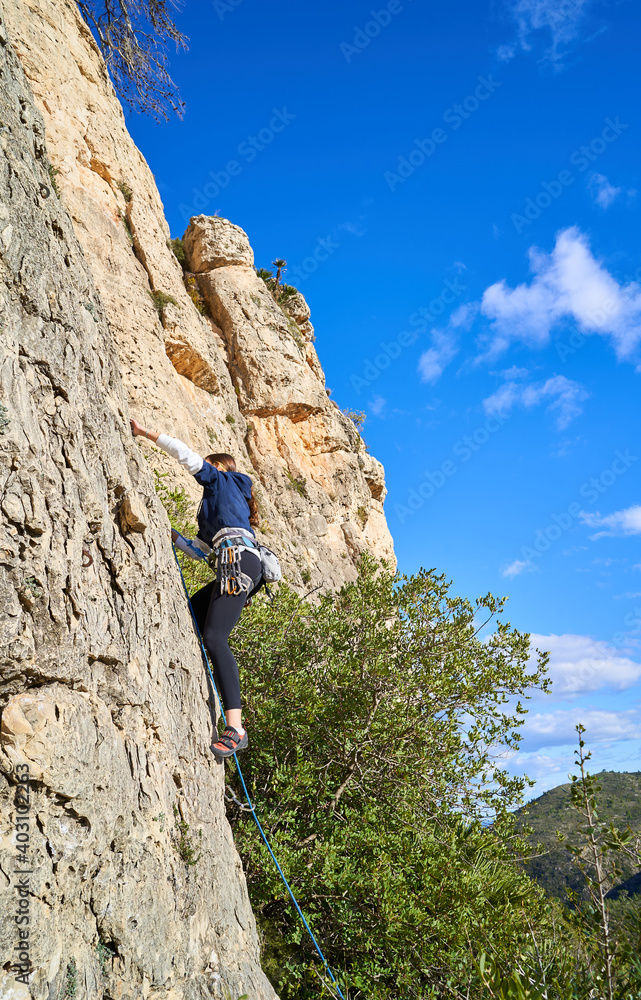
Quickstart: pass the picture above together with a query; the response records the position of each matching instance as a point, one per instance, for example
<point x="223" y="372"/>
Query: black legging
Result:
<point x="216" y="615"/>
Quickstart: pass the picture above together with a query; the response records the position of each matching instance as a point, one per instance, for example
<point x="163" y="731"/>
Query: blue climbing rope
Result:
<point x="249" y="801"/>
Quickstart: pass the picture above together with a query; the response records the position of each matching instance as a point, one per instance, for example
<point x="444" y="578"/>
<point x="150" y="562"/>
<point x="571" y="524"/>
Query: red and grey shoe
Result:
<point x="229" y="743"/>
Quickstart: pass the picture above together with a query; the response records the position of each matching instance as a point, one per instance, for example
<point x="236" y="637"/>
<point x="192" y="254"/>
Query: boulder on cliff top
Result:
<point x="212" y="242"/>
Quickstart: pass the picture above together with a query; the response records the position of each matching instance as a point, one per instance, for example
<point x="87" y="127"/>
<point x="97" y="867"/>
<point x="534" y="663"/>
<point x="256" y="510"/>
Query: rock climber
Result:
<point x="226" y="520"/>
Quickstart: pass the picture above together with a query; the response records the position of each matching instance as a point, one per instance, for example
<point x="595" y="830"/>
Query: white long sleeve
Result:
<point x="195" y="549"/>
<point x="179" y="450"/>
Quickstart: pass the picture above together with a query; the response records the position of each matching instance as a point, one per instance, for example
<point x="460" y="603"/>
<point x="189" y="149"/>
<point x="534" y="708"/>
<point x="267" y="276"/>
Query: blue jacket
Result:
<point x="225" y="502"/>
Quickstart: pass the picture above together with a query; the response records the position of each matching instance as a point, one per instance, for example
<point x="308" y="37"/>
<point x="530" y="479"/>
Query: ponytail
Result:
<point x="254" y="515"/>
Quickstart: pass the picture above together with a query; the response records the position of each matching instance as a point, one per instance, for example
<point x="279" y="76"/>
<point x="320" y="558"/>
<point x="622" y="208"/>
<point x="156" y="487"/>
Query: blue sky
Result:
<point x="455" y="189"/>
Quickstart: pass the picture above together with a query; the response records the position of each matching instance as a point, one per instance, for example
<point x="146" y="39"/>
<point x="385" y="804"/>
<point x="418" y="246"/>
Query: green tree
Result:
<point x="358" y="417"/>
<point x="611" y="933"/>
<point x="280" y="291"/>
<point x="280" y="266"/>
<point x="593" y="951"/>
<point x="376" y="717"/>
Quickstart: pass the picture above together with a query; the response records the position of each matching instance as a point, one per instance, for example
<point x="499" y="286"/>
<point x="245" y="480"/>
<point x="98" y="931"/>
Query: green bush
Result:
<point x="161" y="299"/>
<point x="71" y="981"/>
<point x="375" y="781"/>
<point x="53" y="171"/>
<point x="194" y="293"/>
<point x="125" y="190"/>
<point x="184" y="843"/>
<point x="358" y="417"/>
<point x="177" y="248"/>
<point x="280" y="292"/>
<point x="298" y="485"/>
<point x="127" y="227"/>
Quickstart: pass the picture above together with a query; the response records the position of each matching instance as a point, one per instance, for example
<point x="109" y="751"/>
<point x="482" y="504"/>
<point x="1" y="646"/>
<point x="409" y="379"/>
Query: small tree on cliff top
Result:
<point x="133" y="36"/>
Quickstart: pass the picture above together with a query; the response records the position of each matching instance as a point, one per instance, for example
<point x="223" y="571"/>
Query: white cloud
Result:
<point x="622" y="522"/>
<point x="552" y="768"/>
<point x="517" y="567"/>
<point x="445" y="343"/>
<point x="558" y="728"/>
<point x="602" y="191"/>
<point x="506" y="52"/>
<point x="560" y="393"/>
<point x="548" y="771"/>
<point x="435" y="359"/>
<point x="463" y="316"/>
<point x="377" y="405"/>
<point x="579" y="664"/>
<point x="558" y="20"/>
<point x="569" y="284"/>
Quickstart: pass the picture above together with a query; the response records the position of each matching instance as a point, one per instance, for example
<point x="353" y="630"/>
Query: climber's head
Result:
<point x="222" y="461"/>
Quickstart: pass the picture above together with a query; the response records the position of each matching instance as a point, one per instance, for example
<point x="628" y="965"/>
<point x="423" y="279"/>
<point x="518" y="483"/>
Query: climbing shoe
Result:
<point x="229" y="743"/>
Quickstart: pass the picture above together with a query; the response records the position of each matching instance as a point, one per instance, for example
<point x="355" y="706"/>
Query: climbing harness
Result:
<point x="249" y="807"/>
<point x="227" y="546"/>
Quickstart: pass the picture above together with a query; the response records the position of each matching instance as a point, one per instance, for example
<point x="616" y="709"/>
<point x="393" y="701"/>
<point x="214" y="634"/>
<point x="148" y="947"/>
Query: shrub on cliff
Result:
<point x="280" y="291"/>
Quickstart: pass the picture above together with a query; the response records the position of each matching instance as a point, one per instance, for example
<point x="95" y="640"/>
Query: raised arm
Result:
<point x="177" y="449"/>
<point x="139" y="431"/>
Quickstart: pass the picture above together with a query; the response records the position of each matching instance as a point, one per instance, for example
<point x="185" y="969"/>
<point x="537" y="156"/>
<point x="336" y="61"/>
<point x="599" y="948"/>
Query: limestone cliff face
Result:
<point x="103" y="695"/>
<point x="247" y="379"/>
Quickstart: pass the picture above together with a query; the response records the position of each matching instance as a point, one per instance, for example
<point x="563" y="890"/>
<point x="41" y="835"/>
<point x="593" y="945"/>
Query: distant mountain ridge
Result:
<point x="555" y="869"/>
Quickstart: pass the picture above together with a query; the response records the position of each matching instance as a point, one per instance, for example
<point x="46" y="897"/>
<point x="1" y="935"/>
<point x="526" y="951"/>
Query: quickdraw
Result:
<point x="228" y="570"/>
